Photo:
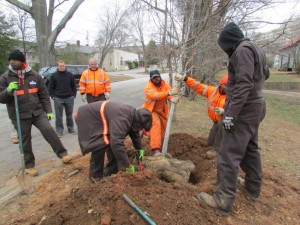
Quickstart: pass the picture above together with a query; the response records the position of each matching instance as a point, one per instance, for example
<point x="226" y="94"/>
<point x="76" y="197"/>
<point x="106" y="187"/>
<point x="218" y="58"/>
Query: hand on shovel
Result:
<point x="49" y="116"/>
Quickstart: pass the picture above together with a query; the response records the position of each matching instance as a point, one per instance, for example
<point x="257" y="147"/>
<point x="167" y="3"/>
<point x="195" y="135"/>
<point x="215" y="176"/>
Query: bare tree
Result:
<point x="43" y="16"/>
<point x="25" y="28"/>
<point x="112" y="26"/>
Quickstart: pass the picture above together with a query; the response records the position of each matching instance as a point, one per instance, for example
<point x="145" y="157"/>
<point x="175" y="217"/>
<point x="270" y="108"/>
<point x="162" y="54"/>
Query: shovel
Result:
<point x="24" y="180"/>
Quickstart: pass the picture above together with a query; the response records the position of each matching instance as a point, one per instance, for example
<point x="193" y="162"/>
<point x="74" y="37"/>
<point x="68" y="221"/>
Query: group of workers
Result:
<point x="236" y="107"/>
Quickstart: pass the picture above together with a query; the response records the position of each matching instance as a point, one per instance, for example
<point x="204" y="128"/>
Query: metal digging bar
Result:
<point x="138" y="210"/>
<point x="168" y="127"/>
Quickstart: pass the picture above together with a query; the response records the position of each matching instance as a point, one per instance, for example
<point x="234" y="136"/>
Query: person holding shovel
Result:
<point x="34" y="107"/>
<point x="103" y="127"/>
<point x="216" y="96"/>
<point x="157" y="92"/>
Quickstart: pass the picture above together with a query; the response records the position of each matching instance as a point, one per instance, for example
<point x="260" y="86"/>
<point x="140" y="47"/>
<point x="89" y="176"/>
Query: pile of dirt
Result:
<point x="63" y="199"/>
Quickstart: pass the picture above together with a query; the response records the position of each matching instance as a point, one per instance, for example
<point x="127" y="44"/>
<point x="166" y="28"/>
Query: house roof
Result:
<point x="291" y="43"/>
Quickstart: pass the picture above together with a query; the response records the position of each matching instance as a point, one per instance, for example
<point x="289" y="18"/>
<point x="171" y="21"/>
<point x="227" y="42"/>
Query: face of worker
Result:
<point x="16" y="64"/>
<point x="223" y="88"/>
<point x="93" y="65"/>
<point x="156" y="81"/>
<point x="61" y="67"/>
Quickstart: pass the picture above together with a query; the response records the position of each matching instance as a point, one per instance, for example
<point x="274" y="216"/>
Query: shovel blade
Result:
<point x="25" y="181"/>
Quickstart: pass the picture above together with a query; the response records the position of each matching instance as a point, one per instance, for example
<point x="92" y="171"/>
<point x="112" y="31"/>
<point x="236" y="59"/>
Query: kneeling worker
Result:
<point x="103" y="127"/>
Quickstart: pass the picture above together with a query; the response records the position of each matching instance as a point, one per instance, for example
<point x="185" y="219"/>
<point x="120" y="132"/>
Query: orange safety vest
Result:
<point x="154" y="93"/>
<point x="94" y="82"/>
<point x="213" y="95"/>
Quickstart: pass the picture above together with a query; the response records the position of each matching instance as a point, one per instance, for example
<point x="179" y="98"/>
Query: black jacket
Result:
<point x="62" y="85"/>
<point x="33" y="98"/>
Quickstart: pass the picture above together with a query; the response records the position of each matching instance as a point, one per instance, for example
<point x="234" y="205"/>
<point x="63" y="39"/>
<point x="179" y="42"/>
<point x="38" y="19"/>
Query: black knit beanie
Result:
<point x="154" y="73"/>
<point x="144" y="118"/>
<point x="229" y="37"/>
<point x="17" y="55"/>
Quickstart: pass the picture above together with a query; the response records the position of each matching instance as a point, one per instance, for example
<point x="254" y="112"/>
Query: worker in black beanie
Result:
<point x="229" y="37"/>
<point x="17" y="55"/>
<point x="243" y="112"/>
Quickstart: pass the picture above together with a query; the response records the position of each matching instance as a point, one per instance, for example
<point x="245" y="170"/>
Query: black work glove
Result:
<point x="228" y="123"/>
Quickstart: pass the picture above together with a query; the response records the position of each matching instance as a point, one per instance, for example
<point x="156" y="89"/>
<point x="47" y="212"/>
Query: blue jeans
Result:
<point x="59" y="105"/>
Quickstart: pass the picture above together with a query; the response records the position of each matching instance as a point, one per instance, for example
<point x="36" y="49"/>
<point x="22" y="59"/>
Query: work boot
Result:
<point x="66" y="159"/>
<point x="95" y="179"/>
<point x="32" y="171"/>
<point x="156" y="152"/>
<point x="211" y="154"/>
<point x="210" y="201"/>
<point x="74" y="132"/>
<point x="15" y="140"/>
<point x="241" y="183"/>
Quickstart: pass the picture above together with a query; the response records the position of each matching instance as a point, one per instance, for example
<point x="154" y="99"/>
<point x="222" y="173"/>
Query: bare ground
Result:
<point x="60" y="199"/>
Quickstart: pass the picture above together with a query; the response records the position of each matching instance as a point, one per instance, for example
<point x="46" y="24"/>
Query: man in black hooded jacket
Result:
<point x="103" y="127"/>
<point x="244" y="110"/>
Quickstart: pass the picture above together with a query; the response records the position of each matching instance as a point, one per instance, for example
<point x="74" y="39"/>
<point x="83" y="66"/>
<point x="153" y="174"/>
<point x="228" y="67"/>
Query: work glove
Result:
<point x="49" y="116"/>
<point x="130" y="169"/>
<point x="228" y="123"/>
<point x="83" y="97"/>
<point x="219" y="111"/>
<point x="141" y="154"/>
<point x="173" y="91"/>
<point x="179" y="77"/>
<point x="13" y="86"/>
<point x="107" y="95"/>
<point x="174" y="99"/>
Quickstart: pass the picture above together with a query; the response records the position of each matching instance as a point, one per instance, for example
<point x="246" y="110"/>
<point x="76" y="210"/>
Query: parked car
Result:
<point x="76" y="70"/>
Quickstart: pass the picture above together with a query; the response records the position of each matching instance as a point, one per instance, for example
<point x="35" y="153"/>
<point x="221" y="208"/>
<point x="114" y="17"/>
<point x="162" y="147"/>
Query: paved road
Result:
<point x="129" y="92"/>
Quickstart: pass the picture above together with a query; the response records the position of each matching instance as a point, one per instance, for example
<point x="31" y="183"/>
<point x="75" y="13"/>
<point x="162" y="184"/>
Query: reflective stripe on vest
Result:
<point x="30" y="91"/>
<point x="104" y="121"/>
<point x="211" y="98"/>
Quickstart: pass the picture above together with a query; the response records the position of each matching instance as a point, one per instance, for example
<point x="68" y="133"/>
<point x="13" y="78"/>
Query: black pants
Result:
<point x="97" y="163"/>
<point x="91" y="98"/>
<point x="239" y="148"/>
<point x="215" y="135"/>
<point x="40" y="122"/>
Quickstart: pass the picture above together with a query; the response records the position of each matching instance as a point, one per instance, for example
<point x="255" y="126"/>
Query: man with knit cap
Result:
<point x="34" y="107"/>
<point x="157" y="94"/>
<point x="215" y="103"/>
<point x="244" y="110"/>
<point x="103" y="127"/>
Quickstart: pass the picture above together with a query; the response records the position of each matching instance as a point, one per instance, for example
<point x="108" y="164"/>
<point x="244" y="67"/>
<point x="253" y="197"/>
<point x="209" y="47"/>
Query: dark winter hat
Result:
<point x="17" y="55"/>
<point x="154" y="73"/>
<point x="229" y="37"/>
<point x="144" y="118"/>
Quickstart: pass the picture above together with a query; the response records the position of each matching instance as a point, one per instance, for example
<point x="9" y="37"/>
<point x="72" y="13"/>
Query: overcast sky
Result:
<point x="85" y="19"/>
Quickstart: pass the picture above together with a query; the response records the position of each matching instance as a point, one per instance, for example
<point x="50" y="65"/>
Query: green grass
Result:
<point x="276" y="76"/>
<point x="286" y="108"/>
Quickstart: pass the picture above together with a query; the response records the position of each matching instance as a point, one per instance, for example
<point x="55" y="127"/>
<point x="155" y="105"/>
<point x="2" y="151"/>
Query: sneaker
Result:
<point x="15" y="140"/>
<point x="32" y="172"/>
<point x="156" y="152"/>
<point x="211" y="154"/>
<point x="66" y="159"/>
<point x="210" y="201"/>
<point x="73" y="132"/>
<point x="241" y="183"/>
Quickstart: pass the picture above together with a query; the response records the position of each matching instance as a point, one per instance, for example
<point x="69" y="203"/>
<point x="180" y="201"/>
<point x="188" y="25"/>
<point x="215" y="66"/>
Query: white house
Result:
<point x="115" y="60"/>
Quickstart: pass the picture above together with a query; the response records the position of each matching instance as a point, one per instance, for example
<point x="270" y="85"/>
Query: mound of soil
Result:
<point x="63" y="199"/>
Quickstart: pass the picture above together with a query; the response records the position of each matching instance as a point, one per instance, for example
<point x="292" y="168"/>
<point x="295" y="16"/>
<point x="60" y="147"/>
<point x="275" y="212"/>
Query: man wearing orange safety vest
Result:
<point x="94" y="84"/>
<point x="103" y="127"/>
<point x="157" y="92"/>
<point x="216" y="97"/>
<point x="34" y="107"/>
